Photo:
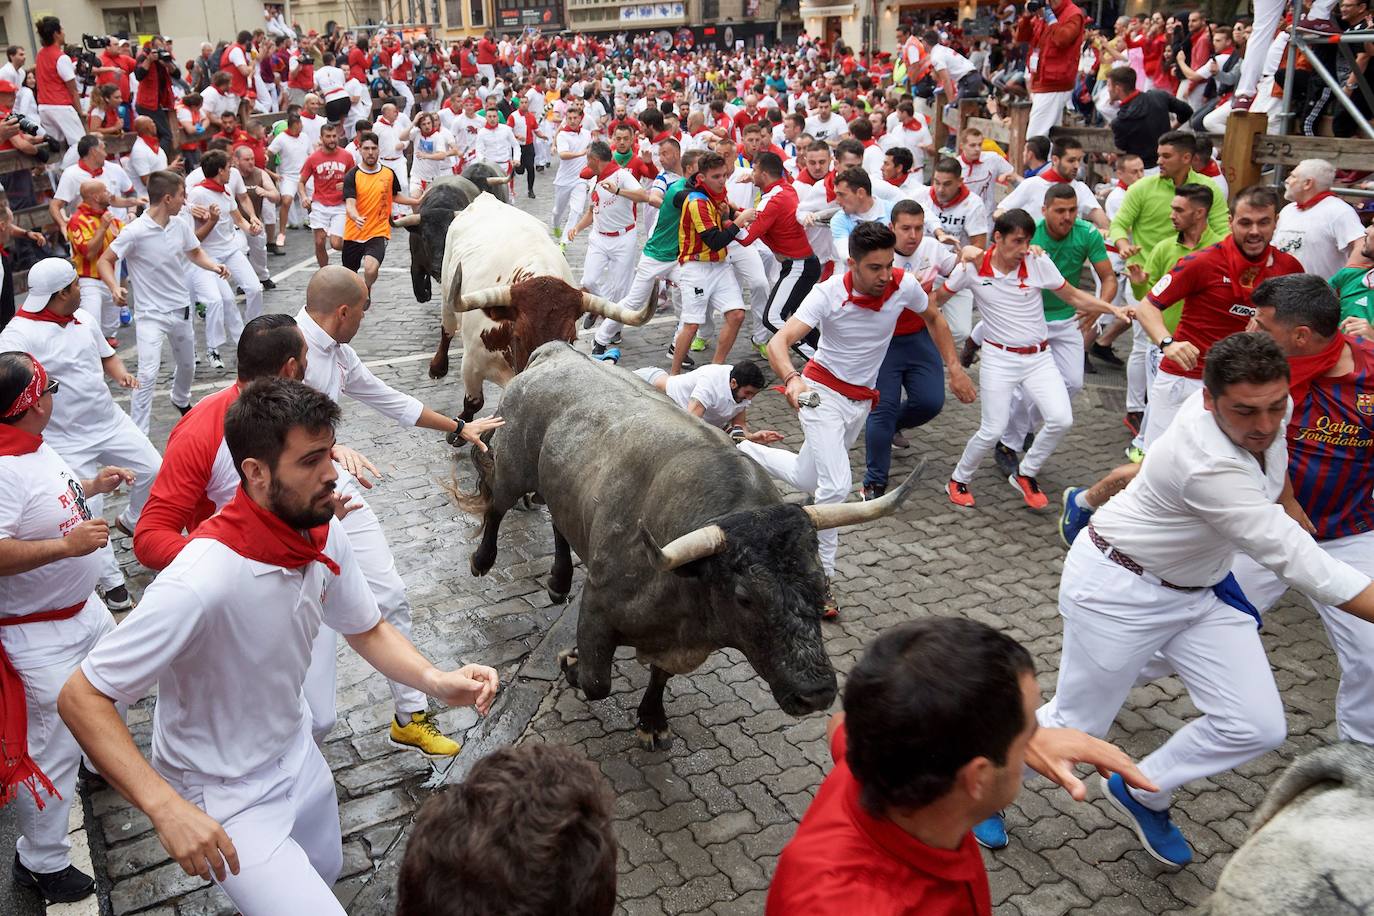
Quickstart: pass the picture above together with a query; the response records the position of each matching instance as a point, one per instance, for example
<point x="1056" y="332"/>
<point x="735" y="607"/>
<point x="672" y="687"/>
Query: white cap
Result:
<point x="48" y="276"/>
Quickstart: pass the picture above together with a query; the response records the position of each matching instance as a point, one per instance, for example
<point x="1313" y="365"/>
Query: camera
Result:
<point x="25" y="125"/>
<point x="1034" y="6"/>
<point x="164" y="55"/>
<point x="94" y="42"/>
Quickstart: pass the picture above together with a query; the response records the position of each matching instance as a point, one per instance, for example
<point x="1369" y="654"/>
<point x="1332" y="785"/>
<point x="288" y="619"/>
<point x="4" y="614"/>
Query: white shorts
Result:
<point x="288" y="185"/>
<point x="331" y="219"/>
<point x="704" y="285"/>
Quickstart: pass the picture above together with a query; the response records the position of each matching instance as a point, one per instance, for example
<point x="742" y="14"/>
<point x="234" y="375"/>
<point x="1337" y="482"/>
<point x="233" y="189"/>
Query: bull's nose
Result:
<point x="818" y="696"/>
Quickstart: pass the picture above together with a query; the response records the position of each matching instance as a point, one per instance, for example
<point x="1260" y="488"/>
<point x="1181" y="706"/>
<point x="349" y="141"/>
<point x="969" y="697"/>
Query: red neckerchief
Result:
<point x="212" y="185"/>
<point x="970" y="162"/>
<point x="898" y="184"/>
<point x="385" y="121"/>
<point x="1314" y="200"/>
<point x="699" y="185"/>
<point x="1245" y="272"/>
<point x="486" y="126"/>
<point x="868" y="143"/>
<point x="308" y="116"/>
<point x="1213" y="170"/>
<point x="913" y="125"/>
<point x="661" y="137"/>
<point x="48" y="315"/>
<point x="1303" y="369"/>
<point x="85" y="168"/>
<point x="872" y="303"/>
<point x="958" y="198"/>
<point x="1122" y="185"/>
<point x="30" y="396"/>
<point x="252" y="532"/>
<point x="429" y="133"/>
<point x="1128" y="99"/>
<point x="151" y="141"/>
<point x="17" y="442"/>
<point x="985" y="269"/>
<point x="610" y="169"/>
<point x="1052" y="176"/>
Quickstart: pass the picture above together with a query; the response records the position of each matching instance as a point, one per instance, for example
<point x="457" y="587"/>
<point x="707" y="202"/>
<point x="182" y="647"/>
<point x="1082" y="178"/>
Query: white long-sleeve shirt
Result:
<point x="335" y="369"/>
<point x="1200" y="499"/>
<point x="496" y="144"/>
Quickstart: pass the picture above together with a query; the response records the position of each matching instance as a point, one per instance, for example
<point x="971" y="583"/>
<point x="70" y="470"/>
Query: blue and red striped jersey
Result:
<point x="1331" y="449"/>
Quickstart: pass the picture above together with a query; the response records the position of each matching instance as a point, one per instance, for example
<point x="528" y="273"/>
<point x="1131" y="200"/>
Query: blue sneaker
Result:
<point x="1073" y="519"/>
<point x="991" y="833"/>
<point x="1157" y="832"/>
<point x="610" y="355"/>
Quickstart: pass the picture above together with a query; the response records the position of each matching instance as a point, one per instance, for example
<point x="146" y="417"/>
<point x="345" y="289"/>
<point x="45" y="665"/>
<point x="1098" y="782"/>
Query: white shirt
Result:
<point x="964" y="220"/>
<point x="144" y="161"/>
<point x="441" y="141"/>
<point x="223" y="240"/>
<point x="330" y="81"/>
<point x="951" y="61"/>
<point x="1319" y="236"/>
<point x="981" y="175"/>
<point x="40" y="499"/>
<point x="310" y="130"/>
<point x="1200" y="499"/>
<point x="829" y="129"/>
<point x="464" y="130"/>
<point x="236" y="57"/>
<point x="227" y="642"/>
<point x="334" y="369"/>
<point x="496" y="144"/>
<point x="914" y="140"/>
<point x="909" y="189"/>
<point x="1115" y="198"/>
<point x="569" y="170"/>
<point x="854" y="339"/>
<point x="1029" y="195"/>
<point x="111" y="175"/>
<point x="9" y="72"/>
<point x="156" y="257"/>
<point x="235" y="186"/>
<point x="1012" y="308"/>
<point x="388" y="136"/>
<point x="709" y="386"/>
<point x="611" y="212"/>
<point x="930" y="261"/>
<point x="291" y="152"/>
<point x="362" y="102"/>
<point x="83" y="411"/>
<point x="216" y="103"/>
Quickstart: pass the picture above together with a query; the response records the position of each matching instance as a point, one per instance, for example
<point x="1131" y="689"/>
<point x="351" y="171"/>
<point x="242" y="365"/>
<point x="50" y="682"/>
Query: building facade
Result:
<point x="186" y="22"/>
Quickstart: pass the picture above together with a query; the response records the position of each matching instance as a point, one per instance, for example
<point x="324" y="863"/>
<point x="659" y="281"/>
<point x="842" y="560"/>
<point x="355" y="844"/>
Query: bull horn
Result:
<point x="407" y="221"/>
<point x="617" y="312"/>
<point x="694" y="545"/>
<point x="490" y="298"/>
<point x="497" y="180"/>
<point x="841" y="514"/>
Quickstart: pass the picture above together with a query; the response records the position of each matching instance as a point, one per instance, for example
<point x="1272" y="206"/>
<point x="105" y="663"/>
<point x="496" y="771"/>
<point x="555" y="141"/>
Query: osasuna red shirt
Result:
<point x="328" y="170"/>
<point x="1331" y="449"/>
<point x="844" y="861"/>
<point x="1215" y="284"/>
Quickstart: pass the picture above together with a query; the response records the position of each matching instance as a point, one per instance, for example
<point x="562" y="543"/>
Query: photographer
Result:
<point x="115" y="65"/>
<point x="1054" y="30"/>
<point x="59" y="103"/>
<point x="13" y="134"/>
<point x="155" y="70"/>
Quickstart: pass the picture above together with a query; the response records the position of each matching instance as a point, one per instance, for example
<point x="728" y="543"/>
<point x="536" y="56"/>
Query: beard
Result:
<point x="301" y="514"/>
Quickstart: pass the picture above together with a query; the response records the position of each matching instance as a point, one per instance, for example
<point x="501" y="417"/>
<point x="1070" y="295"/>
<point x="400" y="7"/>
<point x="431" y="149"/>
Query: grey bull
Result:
<point x="624" y="470"/>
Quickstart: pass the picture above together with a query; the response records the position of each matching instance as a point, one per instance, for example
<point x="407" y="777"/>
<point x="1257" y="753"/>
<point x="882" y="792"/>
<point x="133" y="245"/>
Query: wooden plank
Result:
<point x="993" y="130"/>
<point x="1016" y="143"/>
<point x="1094" y="139"/>
<point x="1287" y="151"/>
<point x="1243" y="131"/>
<point x="39" y="218"/>
<point x="939" y="131"/>
<point x="968" y="110"/>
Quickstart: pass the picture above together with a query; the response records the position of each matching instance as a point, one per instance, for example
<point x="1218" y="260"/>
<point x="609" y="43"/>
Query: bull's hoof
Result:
<point x="567" y="663"/>
<point x="536" y="500"/>
<point x="651" y="740"/>
<point x="438" y="367"/>
<point x="527" y="502"/>
<point x="479" y="564"/>
<point x="557" y="597"/>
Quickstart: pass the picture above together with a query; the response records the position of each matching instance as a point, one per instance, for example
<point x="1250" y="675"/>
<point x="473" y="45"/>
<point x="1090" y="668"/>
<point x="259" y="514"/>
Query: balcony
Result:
<point x="820" y="9"/>
<point x="626" y="14"/>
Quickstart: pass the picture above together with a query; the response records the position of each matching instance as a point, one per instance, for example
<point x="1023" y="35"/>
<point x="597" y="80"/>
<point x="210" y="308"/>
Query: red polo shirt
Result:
<point x="843" y="861"/>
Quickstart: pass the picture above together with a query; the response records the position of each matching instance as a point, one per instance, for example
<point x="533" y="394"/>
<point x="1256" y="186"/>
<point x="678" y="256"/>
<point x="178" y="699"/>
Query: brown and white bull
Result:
<point x="514" y="291"/>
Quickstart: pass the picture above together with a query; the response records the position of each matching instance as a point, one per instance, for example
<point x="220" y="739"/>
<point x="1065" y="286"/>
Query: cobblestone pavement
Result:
<point x="701" y="825"/>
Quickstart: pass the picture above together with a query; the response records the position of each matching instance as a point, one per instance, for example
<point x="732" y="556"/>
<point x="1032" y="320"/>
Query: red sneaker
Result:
<point x="1029" y="490"/>
<point x="830" y="610"/>
<point x="959" y="494"/>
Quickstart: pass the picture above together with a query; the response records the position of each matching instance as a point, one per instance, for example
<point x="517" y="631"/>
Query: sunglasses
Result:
<point x="51" y="387"/>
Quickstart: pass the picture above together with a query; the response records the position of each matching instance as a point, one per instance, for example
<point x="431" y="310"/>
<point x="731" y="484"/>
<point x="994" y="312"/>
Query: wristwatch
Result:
<point x="455" y="438"/>
<point x="1163" y="344"/>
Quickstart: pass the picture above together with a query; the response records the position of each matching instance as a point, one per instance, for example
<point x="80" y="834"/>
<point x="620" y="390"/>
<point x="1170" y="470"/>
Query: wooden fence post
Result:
<point x="968" y="110"/>
<point x="939" y="132"/>
<point x="1020" y="121"/>
<point x="1238" y="149"/>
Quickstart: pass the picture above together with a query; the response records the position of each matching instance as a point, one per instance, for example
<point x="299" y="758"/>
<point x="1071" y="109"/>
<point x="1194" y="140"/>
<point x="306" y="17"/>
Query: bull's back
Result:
<point x="496" y="243"/>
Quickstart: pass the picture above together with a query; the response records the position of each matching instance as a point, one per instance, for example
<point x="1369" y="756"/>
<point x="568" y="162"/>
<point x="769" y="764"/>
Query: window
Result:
<point x="477" y="13"/>
<point x="4" y="33"/>
<point x="132" y="21"/>
<point x="710" y="10"/>
<point x="453" y="9"/>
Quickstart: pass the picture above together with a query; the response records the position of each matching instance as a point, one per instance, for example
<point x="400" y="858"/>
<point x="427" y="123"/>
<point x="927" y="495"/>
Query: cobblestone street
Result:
<point x="701" y="825"/>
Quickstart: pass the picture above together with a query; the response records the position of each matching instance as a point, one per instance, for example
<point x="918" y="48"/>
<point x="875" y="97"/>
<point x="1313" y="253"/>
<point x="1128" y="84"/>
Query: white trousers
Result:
<point x="1115" y="622"/>
<point x="283" y="819"/>
<point x="150" y="329"/>
<point x="1352" y="638"/>
<point x="257" y="254"/>
<point x="96" y="299"/>
<point x="43" y="845"/>
<point x="821" y="468"/>
<point x="1138" y="369"/>
<point x="648" y="273"/>
<point x="610" y="263"/>
<point x="1167" y="394"/>
<point x="1047" y="110"/>
<point x="1001" y="375"/>
<point x="242" y="274"/>
<point x="1066" y="346"/>
<point x="61" y="122"/>
<point x="223" y="321"/>
<point x="562" y="205"/>
<point x="958" y="312"/>
<point x="751" y="276"/>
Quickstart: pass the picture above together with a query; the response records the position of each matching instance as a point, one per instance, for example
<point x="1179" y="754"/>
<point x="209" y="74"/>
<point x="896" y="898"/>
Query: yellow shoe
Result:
<point x="698" y="344"/>
<point x="422" y="734"/>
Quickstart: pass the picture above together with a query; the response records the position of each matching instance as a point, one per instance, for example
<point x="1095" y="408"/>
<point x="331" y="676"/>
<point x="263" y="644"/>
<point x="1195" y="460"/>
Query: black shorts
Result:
<point x="337" y="109"/>
<point x="354" y="252"/>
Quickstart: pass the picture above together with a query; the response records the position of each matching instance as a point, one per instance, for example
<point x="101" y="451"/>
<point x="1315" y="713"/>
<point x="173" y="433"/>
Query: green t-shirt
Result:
<point x="1083" y="245"/>
<point x="1352" y="284"/>
<point x="1144" y="213"/>
<point x="662" y="244"/>
<point x="1161" y="259"/>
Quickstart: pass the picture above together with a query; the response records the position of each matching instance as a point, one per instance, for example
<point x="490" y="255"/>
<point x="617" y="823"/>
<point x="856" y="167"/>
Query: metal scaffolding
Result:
<point x="1307" y="41"/>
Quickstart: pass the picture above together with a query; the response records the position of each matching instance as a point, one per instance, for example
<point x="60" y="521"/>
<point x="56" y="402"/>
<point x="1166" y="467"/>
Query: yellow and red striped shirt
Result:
<point x="81" y="229"/>
<point x="699" y="215"/>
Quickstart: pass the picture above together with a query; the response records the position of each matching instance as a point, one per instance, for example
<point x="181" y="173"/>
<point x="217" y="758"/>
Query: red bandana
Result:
<point x="1122" y="185"/>
<point x="985" y="268"/>
<point x="1303" y="369"/>
<point x="252" y="532"/>
<point x="1128" y="99"/>
<point x="1316" y="199"/>
<point x="31" y="393"/>
<point x="212" y="185"/>
<point x="1245" y="272"/>
<point x="47" y="315"/>
<point x="872" y="303"/>
<point x="1053" y="177"/>
<point x="151" y="141"/>
<point x="486" y="126"/>
<point x="898" y="184"/>
<point x="17" y="442"/>
<point x="958" y="198"/>
<point x="1212" y="170"/>
<point x="970" y="161"/>
<point x="85" y="168"/>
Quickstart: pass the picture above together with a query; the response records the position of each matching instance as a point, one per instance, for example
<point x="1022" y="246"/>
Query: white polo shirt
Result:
<point x="613" y="213"/>
<point x="496" y="144"/>
<point x="291" y="152"/>
<point x="980" y="176"/>
<point x="963" y="220"/>
<point x="914" y="140"/>
<point x="227" y="642"/>
<point x="143" y="161"/>
<point x="216" y="103"/>
<point x="1319" y="235"/>
<point x="334" y="369"/>
<point x="41" y="499"/>
<point x="83" y="410"/>
<point x="156" y="257"/>
<point x="709" y="386"/>
<point x="929" y="262"/>
<point x="952" y="62"/>
<point x="111" y="175"/>
<point x="854" y="339"/>
<point x="310" y="130"/>
<point x="388" y="135"/>
<point x="1029" y="195"/>
<point x="1012" y="308"/>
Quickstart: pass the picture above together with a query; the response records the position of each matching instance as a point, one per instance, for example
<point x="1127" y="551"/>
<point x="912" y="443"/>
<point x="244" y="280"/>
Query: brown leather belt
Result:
<point x="1126" y="563"/>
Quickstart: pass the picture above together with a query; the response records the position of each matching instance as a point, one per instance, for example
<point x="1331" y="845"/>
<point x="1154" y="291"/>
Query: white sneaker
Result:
<point x="215" y="360"/>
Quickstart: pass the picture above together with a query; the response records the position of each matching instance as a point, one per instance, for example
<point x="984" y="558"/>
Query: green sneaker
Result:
<point x="698" y="344"/>
<point x="558" y="232"/>
<point x="762" y="348"/>
<point x="200" y="310"/>
<point x="1134" y="455"/>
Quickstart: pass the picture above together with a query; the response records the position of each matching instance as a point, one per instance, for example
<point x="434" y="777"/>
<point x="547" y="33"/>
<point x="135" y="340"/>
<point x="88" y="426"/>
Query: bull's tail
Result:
<point x="477" y="502"/>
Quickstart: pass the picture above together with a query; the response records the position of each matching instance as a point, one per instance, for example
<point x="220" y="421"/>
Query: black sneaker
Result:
<point x="65" y="886"/>
<point x="969" y="353"/>
<point x="687" y="361"/>
<point x="531" y="195"/>
<point x="1007" y="460"/>
<point x="598" y="349"/>
<point x="117" y="598"/>
<point x="873" y="491"/>
<point x="900" y="441"/>
<point x="268" y="284"/>
<point x="1088" y="367"/>
<point x="1104" y="354"/>
<point x="616" y="339"/>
